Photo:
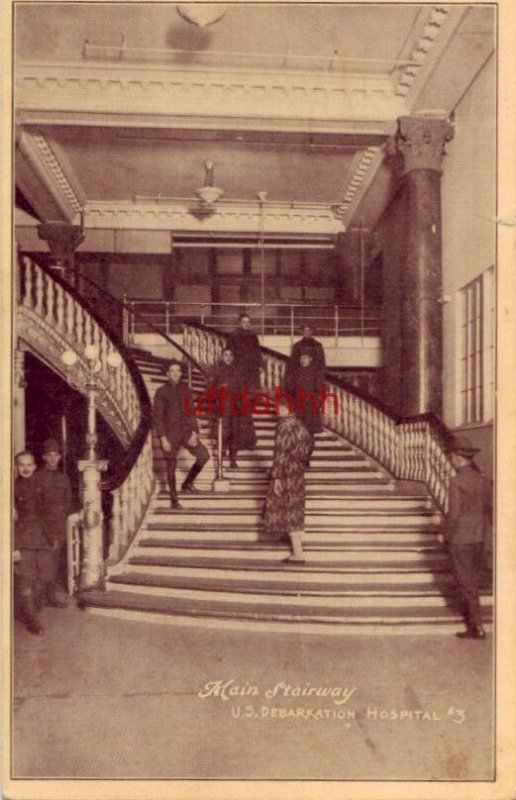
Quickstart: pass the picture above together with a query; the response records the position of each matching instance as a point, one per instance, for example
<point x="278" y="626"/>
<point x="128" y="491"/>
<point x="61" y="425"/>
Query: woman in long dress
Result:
<point x="284" y="509"/>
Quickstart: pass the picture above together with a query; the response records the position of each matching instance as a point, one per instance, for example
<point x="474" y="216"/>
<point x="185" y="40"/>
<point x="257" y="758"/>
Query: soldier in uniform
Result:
<point x="308" y="344"/>
<point x="175" y="426"/>
<point x="464" y="531"/>
<point x="305" y="372"/>
<point x="56" y="500"/>
<point x="245" y="346"/>
<point x="33" y="554"/>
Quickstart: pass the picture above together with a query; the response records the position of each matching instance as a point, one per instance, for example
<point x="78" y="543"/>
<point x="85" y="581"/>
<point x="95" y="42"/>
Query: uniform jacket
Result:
<point x="469" y="504"/>
<point x="28" y="528"/>
<point x="248" y="356"/>
<point x="311" y="346"/>
<point x="56" y="502"/>
<point x="174" y="412"/>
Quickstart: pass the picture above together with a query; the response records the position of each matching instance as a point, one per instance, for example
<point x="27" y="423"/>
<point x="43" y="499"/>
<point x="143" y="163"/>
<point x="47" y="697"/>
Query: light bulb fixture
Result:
<point x="69" y="358"/>
<point x="201" y="14"/>
<point x="114" y="360"/>
<point x="208" y="194"/>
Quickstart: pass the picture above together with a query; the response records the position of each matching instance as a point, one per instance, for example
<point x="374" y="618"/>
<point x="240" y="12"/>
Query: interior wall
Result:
<point x="469" y="210"/>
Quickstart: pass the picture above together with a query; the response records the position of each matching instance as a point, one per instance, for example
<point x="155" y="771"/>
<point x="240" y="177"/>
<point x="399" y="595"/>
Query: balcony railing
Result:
<point x="283" y="319"/>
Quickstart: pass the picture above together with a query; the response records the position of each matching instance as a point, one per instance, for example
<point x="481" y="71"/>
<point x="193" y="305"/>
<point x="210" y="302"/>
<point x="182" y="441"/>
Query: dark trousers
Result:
<point x="201" y="457"/>
<point x="466" y="562"/>
<point x="36" y="569"/>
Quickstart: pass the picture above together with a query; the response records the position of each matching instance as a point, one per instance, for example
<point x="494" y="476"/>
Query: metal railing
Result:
<point x="285" y="319"/>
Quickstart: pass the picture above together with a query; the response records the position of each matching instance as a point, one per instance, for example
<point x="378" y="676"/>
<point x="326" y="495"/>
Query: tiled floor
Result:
<point x="99" y="697"/>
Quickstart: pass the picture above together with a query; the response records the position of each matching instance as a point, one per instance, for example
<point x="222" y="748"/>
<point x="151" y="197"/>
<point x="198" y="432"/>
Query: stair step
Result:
<point x="273" y="560"/>
<point x="346" y="518"/>
<point x="289" y="614"/>
<point x="282" y="587"/>
<point x="312" y="542"/>
<point x="343" y="554"/>
<point x="270" y="571"/>
<point x="371" y="538"/>
<point x="313" y="503"/>
<point x="315" y="595"/>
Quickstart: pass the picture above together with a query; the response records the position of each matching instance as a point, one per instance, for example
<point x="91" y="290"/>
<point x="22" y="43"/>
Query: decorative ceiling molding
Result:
<point x="41" y="158"/>
<point x="362" y="171"/>
<point x="439" y="25"/>
<point x="234" y="94"/>
<point x="309" y="219"/>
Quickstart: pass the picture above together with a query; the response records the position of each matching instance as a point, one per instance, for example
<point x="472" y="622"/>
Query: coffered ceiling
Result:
<point x="118" y="106"/>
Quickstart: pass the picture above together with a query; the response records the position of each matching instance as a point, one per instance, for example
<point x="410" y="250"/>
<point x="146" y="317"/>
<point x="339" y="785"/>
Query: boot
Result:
<point x="472" y="632"/>
<point x="30" y="615"/>
<point x="297" y="555"/>
<point x="187" y="485"/>
<point x="51" y="598"/>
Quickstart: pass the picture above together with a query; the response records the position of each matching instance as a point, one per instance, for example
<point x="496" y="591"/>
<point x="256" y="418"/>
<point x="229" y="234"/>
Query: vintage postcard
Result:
<point x="258" y="339"/>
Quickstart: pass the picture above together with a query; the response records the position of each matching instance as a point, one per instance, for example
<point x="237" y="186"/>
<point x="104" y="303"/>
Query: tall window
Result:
<point x="478" y="349"/>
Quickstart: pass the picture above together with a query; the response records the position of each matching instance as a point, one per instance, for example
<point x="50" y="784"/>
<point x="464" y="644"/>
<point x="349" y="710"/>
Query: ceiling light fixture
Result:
<point x="208" y="194"/>
<point x="201" y="14"/>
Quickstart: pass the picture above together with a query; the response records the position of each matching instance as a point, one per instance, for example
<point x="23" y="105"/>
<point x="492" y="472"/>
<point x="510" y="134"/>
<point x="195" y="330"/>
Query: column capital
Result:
<point x="421" y="142"/>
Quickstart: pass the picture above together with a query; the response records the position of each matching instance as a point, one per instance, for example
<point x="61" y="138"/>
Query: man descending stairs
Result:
<point x="373" y="561"/>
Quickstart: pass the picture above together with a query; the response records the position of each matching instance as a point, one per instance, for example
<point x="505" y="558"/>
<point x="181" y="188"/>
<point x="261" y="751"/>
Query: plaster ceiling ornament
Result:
<point x="201" y="14"/>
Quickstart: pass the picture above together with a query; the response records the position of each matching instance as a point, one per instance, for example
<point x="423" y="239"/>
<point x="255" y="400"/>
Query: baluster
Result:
<point x="88" y="333"/>
<point x="124" y="534"/>
<point x="68" y="316"/>
<point x="39" y="292"/>
<point x="27" y="282"/>
<point x="79" y="322"/>
<point x="60" y="295"/>
<point x="116" y="527"/>
<point x="49" y="300"/>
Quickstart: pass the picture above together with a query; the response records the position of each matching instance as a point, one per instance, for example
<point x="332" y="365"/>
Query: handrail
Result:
<point x="63" y="311"/>
<point x="122" y="469"/>
<point x="411" y="448"/>
<point x="277" y="317"/>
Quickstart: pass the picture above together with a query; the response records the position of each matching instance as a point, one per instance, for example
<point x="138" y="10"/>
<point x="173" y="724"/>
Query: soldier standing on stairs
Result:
<point x="56" y="505"/>
<point x="176" y="426"/>
<point x="464" y="532"/>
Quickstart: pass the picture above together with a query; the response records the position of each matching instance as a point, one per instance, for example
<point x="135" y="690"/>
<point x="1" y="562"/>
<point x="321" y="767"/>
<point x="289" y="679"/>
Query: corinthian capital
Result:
<point x="421" y="142"/>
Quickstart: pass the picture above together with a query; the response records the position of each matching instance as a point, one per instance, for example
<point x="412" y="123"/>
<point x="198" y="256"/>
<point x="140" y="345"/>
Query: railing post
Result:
<point x="189" y="374"/>
<point x="73" y="548"/>
<point x="219" y="449"/>
<point x="116" y="527"/>
<point x="202" y="313"/>
<point x="336" y="325"/>
<point x="167" y="318"/>
<point x="220" y="484"/>
<point x="292" y="324"/>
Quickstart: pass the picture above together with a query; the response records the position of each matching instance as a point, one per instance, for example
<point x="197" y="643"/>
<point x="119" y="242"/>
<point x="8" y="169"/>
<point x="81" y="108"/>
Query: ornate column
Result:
<point x="421" y="142"/>
<point x="62" y="240"/>
<point x="19" y="400"/>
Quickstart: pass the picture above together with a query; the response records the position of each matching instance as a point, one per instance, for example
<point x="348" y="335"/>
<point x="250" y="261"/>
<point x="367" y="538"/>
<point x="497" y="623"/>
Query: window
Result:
<point x="477" y="353"/>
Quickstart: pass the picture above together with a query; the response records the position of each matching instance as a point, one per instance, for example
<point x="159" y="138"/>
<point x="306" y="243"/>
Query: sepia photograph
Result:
<point x="252" y="463"/>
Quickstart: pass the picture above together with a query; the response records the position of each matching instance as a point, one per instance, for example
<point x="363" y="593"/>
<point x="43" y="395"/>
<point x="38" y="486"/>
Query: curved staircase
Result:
<point x="373" y="562"/>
